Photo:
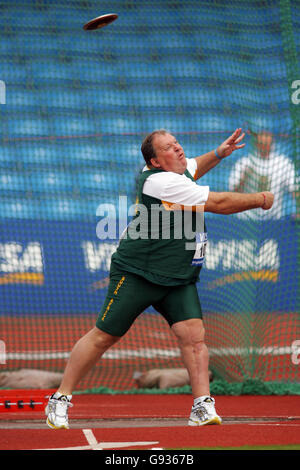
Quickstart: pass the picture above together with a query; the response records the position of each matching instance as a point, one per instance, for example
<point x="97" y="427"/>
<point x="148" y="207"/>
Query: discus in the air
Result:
<point x="100" y="21"/>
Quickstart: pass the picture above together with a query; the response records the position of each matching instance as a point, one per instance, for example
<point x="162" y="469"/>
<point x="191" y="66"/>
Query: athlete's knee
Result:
<point x="101" y="339"/>
<point x="190" y="332"/>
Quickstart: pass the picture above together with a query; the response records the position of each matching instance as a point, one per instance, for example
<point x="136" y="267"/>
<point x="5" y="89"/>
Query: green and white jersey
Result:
<point x="165" y="241"/>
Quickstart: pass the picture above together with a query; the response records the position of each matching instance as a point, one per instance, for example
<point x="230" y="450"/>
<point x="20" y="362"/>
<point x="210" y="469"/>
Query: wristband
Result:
<point x="264" y="200"/>
<point x="217" y="155"/>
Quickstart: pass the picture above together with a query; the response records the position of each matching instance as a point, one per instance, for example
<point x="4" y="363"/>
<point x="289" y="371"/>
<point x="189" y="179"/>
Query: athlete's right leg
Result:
<point x="119" y="310"/>
<point x="84" y="356"/>
<point x="127" y="296"/>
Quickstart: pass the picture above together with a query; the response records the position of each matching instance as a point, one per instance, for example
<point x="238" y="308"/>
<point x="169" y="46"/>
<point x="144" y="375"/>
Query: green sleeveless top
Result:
<point x="164" y="246"/>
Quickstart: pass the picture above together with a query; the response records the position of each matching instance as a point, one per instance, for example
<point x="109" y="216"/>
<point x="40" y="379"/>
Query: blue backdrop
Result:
<point x="62" y="267"/>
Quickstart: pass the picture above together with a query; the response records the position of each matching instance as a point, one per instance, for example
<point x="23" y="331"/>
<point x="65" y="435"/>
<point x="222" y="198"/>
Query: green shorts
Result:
<point x="129" y="295"/>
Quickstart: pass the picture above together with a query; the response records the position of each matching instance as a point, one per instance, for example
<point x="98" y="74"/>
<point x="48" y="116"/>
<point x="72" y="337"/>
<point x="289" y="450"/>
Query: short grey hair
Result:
<point x="147" y="145"/>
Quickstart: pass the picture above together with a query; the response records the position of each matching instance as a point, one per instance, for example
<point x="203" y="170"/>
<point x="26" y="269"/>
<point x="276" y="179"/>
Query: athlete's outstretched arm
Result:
<point x="231" y="203"/>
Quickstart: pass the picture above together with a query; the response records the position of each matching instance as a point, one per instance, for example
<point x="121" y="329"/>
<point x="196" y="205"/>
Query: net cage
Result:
<point x="74" y="108"/>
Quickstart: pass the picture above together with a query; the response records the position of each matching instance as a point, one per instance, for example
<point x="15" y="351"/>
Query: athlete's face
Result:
<point x="169" y="154"/>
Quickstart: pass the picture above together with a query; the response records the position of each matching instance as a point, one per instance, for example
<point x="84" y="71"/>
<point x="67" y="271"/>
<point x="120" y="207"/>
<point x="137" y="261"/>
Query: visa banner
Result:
<point x="49" y="267"/>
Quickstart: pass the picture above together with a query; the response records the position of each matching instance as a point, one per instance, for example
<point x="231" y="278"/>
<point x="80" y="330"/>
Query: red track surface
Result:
<point x="151" y="333"/>
<point x="148" y="438"/>
<point x="248" y="420"/>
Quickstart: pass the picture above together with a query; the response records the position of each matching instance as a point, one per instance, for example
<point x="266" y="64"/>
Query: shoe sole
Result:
<point x="214" y="420"/>
<point x="52" y="426"/>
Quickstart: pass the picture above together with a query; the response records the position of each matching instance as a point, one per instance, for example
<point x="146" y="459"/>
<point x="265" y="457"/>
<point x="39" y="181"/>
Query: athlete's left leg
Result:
<point x="190" y="336"/>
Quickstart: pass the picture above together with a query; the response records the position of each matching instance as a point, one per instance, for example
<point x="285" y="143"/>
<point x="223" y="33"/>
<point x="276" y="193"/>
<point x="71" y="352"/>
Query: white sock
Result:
<point x="199" y="399"/>
<point x="58" y="395"/>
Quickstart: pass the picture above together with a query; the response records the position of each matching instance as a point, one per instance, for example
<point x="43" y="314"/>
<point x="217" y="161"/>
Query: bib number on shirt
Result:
<point x="201" y="242"/>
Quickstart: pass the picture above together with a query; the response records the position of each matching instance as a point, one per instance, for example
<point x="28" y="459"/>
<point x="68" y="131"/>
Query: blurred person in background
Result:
<point x="263" y="169"/>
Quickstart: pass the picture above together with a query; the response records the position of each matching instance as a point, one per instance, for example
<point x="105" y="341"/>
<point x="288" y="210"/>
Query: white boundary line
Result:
<point x="90" y="437"/>
<point x="95" y="445"/>
<point x="150" y="353"/>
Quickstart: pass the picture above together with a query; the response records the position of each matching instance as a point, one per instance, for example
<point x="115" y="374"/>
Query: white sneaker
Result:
<point x="57" y="412"/>
<point x="204" y="413"/>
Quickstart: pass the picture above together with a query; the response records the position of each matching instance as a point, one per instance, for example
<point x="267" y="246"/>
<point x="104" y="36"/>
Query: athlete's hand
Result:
<point x="268" y="199"/>
<point x="231" y="144"/>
